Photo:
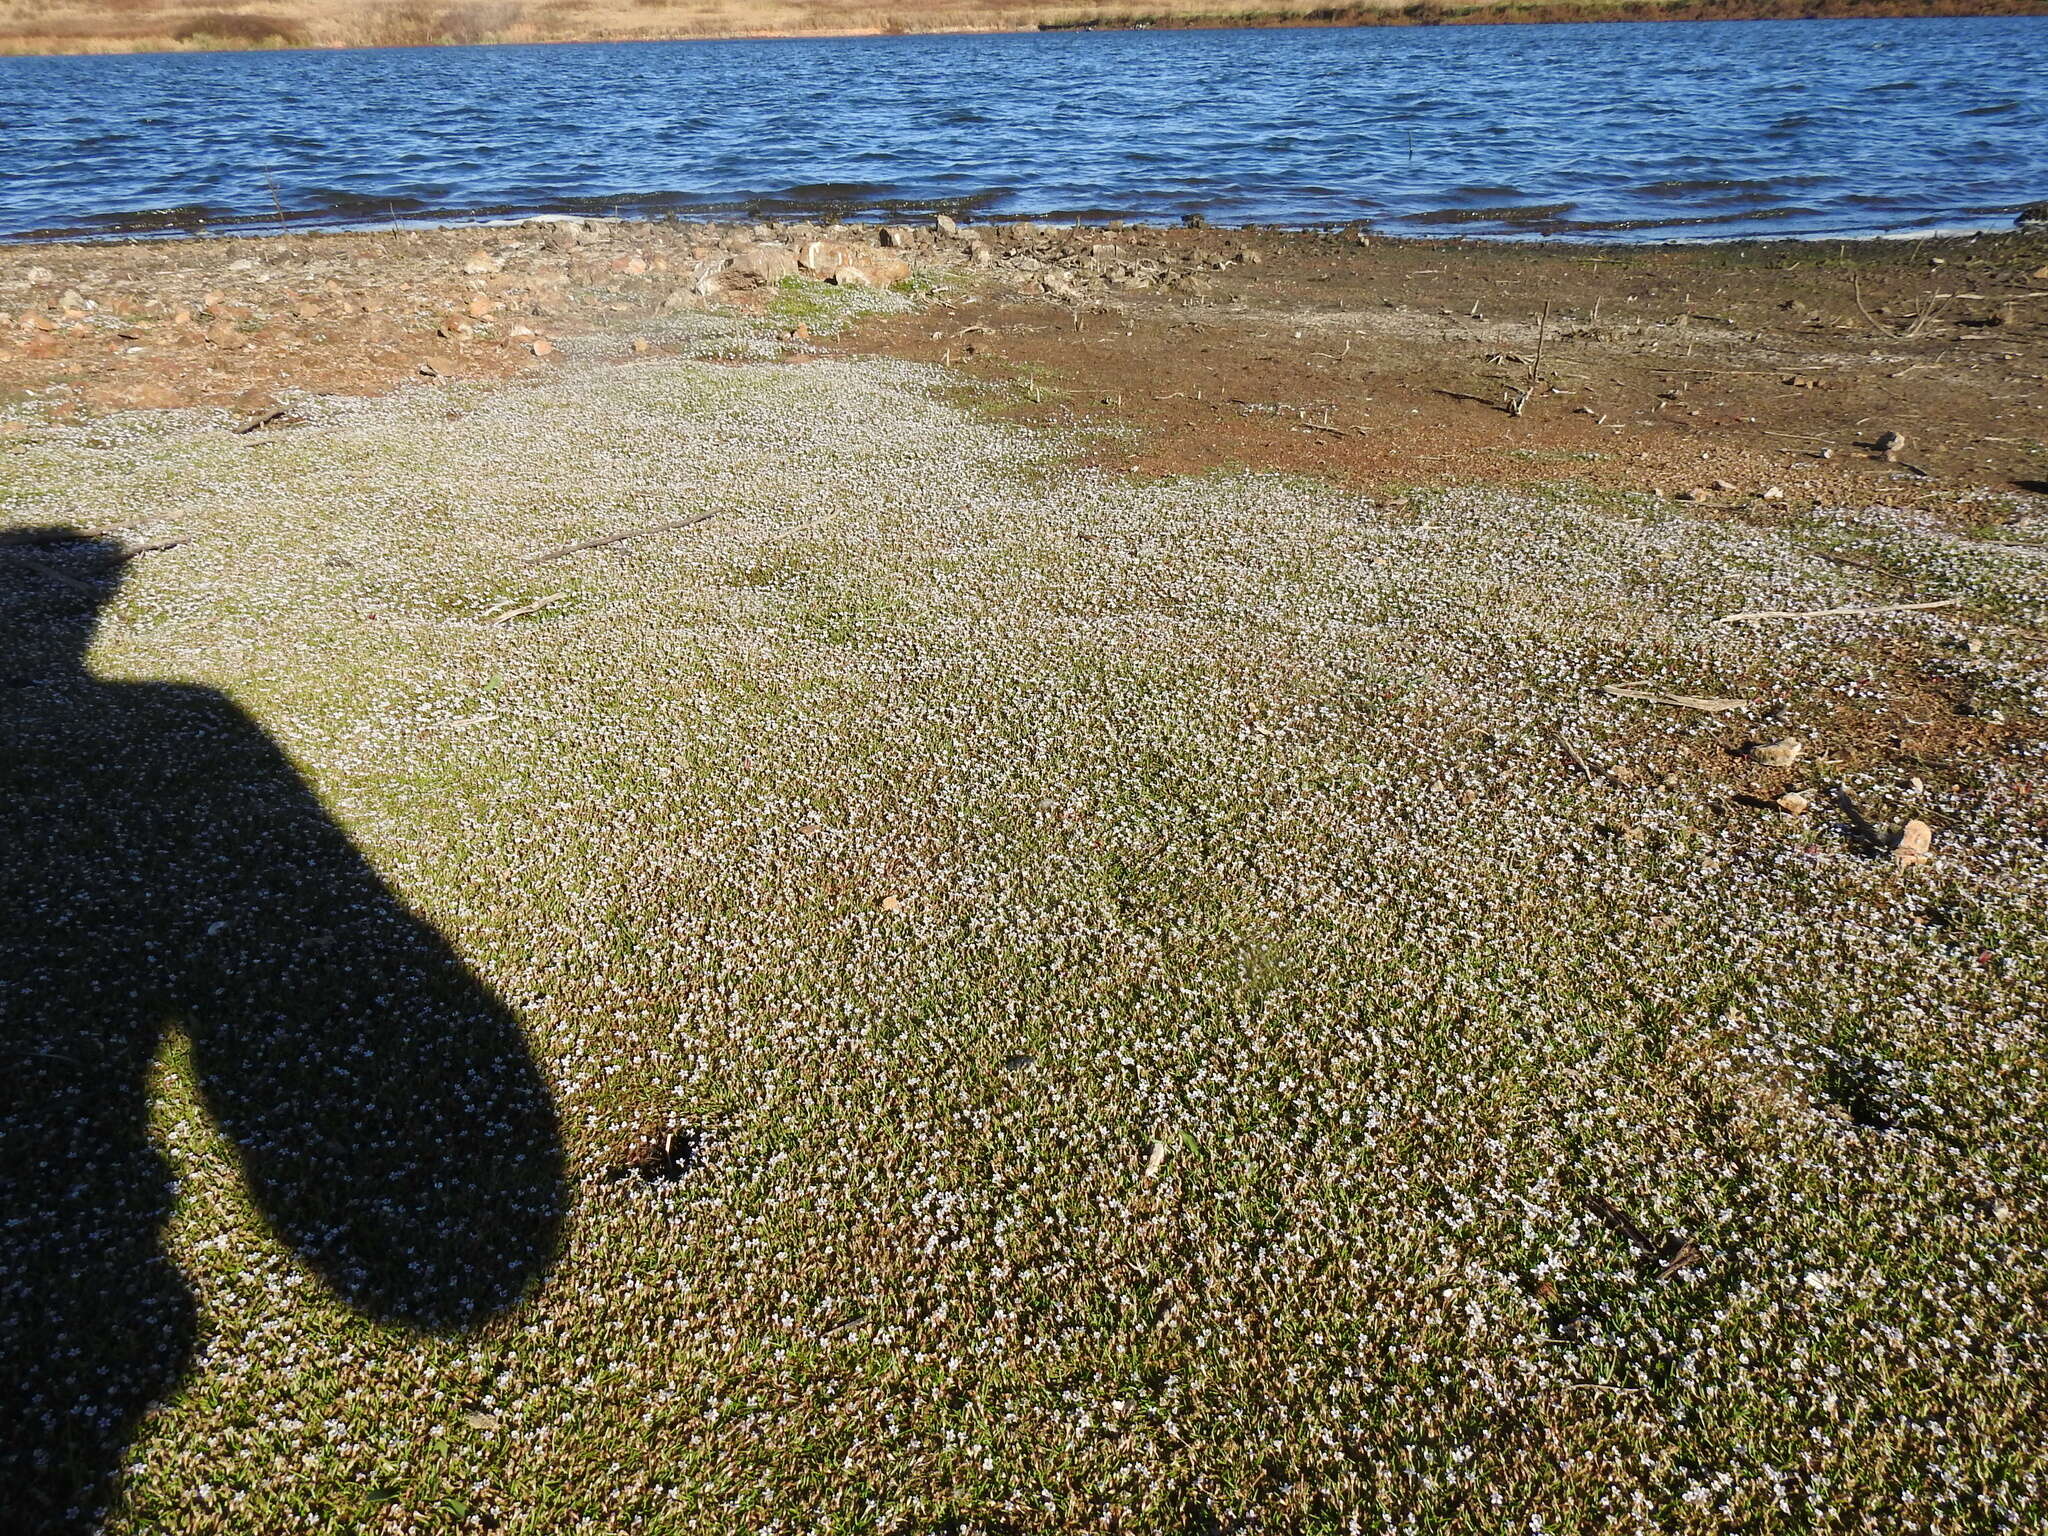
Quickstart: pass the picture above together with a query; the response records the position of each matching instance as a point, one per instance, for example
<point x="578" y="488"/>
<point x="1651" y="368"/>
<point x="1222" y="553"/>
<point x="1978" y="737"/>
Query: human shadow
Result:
<point x="164" y="869"/>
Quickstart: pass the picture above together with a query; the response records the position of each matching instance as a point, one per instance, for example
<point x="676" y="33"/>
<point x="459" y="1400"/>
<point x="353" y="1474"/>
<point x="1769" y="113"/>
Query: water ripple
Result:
<point x="1592" y="131"/>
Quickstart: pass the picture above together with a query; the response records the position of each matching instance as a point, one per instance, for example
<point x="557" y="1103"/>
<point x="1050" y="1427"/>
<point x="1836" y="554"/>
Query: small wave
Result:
<point x="836" y="191"/>
<point x="1695" y="221"/>
<point x="690" y="131"/>
<point x="181" y="216"/>
<point x="357" y="204"/>
<point x="1724" y="184"/>
<point x="1530" y="215"/>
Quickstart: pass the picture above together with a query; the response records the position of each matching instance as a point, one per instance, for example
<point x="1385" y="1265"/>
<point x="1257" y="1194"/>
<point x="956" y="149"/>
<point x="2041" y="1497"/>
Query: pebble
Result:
<point x="1915" y="838"/>
<point x="1777" y="754"/>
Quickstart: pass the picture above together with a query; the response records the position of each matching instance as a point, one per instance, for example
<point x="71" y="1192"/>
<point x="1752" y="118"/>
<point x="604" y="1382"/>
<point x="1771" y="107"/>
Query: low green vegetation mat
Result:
<point x="1065" y="1003"/>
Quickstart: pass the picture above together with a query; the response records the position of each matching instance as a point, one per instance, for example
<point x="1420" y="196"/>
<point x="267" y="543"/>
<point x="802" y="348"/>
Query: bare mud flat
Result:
<point x="1383" y="361"/>
<point x="1157" y="888"/>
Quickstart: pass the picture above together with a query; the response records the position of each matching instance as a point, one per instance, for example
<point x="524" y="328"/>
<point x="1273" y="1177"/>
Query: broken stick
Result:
<point x="541" y="557"/>
<point x="62" y="578"/>
<point x="1835" y="613"/>
<point x="525" y="608"/>
<point x="1573" y="753"/>
<point x="140" y="550"/>
<point x="1681" y="700"/>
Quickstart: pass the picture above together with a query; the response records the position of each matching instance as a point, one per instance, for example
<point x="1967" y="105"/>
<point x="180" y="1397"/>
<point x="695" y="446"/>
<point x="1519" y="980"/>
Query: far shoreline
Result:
<point x="1421" y="13"/>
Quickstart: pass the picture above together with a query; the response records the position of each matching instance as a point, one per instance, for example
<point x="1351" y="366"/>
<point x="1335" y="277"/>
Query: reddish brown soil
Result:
<point x="1399" y="363"/>
<point x="1386" y="363"/>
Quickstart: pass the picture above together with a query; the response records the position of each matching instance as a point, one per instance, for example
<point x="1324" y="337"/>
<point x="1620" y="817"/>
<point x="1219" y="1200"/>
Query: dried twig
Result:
<point x="1924" y="310"/>
<point x="1669" y="1254"/>
<point x="1852" y="563"/>
<point x="1668" y="368"/>
<point x="1573" y="753"/>
<point x="1862" y="832"/>
<point x="156" y="548"/>
<point x="525" y="608"/>
<point x="1835" y="613"/>
<point x="1681" y="700"/>
<point x="62" y="578"/>
<point x="545" y="555"/>
<point x="1452" y="394"/>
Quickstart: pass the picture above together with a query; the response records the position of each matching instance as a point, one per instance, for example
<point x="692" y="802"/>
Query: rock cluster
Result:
<point x="1070" y="263"/>
<point x="1079" y="262"/>
<point x="224" y="321"/>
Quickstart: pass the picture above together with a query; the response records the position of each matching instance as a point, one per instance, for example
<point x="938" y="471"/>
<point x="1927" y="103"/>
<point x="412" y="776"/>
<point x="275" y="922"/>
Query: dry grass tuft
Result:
<point x="225" y="29"/>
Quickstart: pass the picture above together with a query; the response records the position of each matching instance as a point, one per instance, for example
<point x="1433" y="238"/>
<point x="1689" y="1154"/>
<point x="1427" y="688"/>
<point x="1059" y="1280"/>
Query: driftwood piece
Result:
<point x="541" y="557"/>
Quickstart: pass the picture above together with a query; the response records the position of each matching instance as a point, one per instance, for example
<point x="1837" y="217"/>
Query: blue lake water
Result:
<point x="1625" y="130"/>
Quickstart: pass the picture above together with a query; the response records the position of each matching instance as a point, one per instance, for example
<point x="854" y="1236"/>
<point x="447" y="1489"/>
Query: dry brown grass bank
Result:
<point x="126" y="26"/>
